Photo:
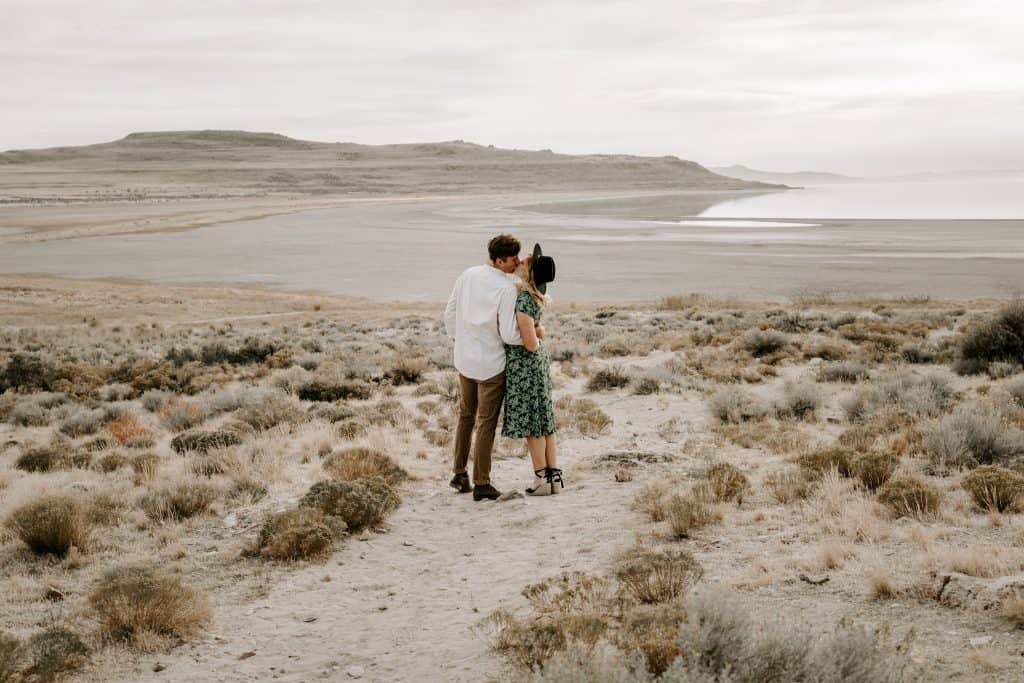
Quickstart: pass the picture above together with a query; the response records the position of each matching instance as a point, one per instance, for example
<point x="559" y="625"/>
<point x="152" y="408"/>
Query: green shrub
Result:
<point x="968" y="438"/>
<point x="198" y="441"/>
<point x="298" y="534"/>
<point x="251" y="351"/>
<point x="26" y="373"/>
<point x="1001" y="338"/>
<point x="51" y="525"/>
<point x="136" y="601"/>
<point x="324" y="392"/>
<point x="763" y="342"/>
<point x="360" y="504"/>
<point x="928" y="395"/>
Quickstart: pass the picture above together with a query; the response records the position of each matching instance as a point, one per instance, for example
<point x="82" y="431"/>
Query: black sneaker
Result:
<point x="460" y="482"/>
<point x="486" y="492"/>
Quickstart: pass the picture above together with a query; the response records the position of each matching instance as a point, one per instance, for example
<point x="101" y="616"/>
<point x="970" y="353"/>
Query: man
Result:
<point x="481" y="318"/>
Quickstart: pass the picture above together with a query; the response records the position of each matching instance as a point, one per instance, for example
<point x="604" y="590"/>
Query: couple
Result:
<point x="493" y="315"/>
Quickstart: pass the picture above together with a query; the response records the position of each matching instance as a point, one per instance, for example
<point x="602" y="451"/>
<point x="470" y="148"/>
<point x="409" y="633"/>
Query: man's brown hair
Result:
<point x="503" y="246"/>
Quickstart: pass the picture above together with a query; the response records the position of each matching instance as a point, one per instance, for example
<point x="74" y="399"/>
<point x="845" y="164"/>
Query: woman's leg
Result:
<point x="549" y="451"/>
<point x="537" y="446"/>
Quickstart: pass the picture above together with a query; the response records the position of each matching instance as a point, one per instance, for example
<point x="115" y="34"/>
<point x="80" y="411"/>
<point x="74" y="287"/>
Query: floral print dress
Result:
<point x="528" y="408"/>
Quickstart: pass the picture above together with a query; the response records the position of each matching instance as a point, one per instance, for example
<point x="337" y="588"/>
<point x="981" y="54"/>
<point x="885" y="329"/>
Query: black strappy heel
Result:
<point x="554" y="479"/>
<point x="545" y="482"/>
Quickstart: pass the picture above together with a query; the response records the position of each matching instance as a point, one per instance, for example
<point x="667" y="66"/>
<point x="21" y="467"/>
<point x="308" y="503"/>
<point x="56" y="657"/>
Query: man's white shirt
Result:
<point x="481" y="317"/>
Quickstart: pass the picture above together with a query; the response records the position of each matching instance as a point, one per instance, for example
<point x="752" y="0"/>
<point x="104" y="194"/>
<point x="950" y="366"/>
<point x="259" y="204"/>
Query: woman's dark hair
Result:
<point x="503" y="246"/>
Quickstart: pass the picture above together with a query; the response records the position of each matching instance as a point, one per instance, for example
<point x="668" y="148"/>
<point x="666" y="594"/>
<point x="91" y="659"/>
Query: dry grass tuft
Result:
<point x="51" y="525"/>
<point x="607" y="379"/>
<point x="727" y="482"/>
<point x="873" y="469"/>
<point x="880" y="584"/>
<point x="11" y="656"/>
<point x="692" y="510"/>
<point x="529" y="645"/>
<point x="911" y="497"/>
<point x="178" y="502"/>
<point x="818" y="462"/>
<point x="1013" y="609"/>
<point x="732" y="405"/>
<point x="126" y="428"/>
<point x="582" y="416"/>
<point x="788" y="485"/>
<point x="204" y="441"/>
<point x="137" y="602"/>
<point x="363" y="463"/>
<point x="995" y="489"/>
<point x="655" y="576"/>
<point x="53" y="653"/>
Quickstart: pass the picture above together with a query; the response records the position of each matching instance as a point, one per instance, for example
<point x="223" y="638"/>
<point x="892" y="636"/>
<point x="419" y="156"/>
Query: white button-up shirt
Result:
<point x="481" y="318"/>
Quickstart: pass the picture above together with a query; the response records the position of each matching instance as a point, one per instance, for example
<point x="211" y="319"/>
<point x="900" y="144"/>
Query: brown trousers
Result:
<point x="479" y="406"/>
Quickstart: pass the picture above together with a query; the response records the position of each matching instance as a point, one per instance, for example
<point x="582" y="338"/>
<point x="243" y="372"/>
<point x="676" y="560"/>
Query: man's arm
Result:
<point x="508" y="326"/>
<point x="449" y="311"/>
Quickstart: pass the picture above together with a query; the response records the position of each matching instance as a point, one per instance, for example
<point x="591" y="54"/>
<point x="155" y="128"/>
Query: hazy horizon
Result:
<point x="876" y="88"/>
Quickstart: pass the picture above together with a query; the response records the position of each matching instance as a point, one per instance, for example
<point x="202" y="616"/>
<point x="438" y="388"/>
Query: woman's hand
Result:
<point x="540" y="331"/>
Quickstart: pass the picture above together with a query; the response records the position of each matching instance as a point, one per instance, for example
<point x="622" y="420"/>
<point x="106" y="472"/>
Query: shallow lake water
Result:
<point x="776" y="245"/>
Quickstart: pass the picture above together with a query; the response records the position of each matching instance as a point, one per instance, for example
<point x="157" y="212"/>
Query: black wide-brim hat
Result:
<point x="542" y="270"/>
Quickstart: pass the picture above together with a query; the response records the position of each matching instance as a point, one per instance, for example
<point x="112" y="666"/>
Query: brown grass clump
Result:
<point x="910" y="497"/>
<point x="881" y="586"/>
<point x="874" y="469"/>
<point x="137" y="602"/>
<point x="995" y="489"/>
<point x="54" y="652"/>
<point x="298" y="534"/>
<point x="175" y="503"/>
<point x="50" y="458"/>
<point x="570" y="592"/>
<point x="654" y="576"/>
<point x="126" y="428"/>
<point x="607" y="379"/>
<point x="727" y="482"/>
<point x="693" y="510"/>
<point x="528" y="645"/>
<point x="788" y="485"/>
<point x="775" y="436"/>
<point x="360" y="504"/>
<point x="51" y="525"/>
<point x="353" y="464"/>
<point x="732" y="405"/>
<point x="199" y="441"/>
<point x="815" y="463"/>
<point x="582" y="416"/>
<point x="650" y="500"/>
<point x="145" y="465"/>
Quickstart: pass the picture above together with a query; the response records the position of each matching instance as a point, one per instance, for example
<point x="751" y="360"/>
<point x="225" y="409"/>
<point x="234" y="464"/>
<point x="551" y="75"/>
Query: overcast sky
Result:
<point x="853" y="86"/>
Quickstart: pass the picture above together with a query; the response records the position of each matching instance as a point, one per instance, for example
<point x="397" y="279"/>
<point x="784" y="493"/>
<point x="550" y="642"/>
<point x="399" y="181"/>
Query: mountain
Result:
<point x="795" y="178"/>
<point x="222" y="163"/>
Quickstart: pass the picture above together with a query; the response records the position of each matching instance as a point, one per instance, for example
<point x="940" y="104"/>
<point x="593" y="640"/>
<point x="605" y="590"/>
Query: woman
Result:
<point x="529" y="412"/>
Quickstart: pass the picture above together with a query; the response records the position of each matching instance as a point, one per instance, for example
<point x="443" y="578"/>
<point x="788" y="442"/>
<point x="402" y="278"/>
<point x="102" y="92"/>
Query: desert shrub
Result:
<point x="727" y="482"/>
<point x="995" y="488"/>
<point x="654" y="576"/>
<point x="568" y="593"/>
<point x="910" y="497"/>
<point x="135" y="602"/>
<point x="1012" y="609"/>
<point x="927" y="395"/>
<point x="83" y="422"/>
<point x="327" y="392"/>
<point x="177" y="415"/>
<point x="874" y="468"/>
<point x="788" y="485"/>
<point x="582" y="415"/>
<point x="406" y="370"/>
<point x="54" y="652"/>
<point x="275" y="408"/>
<point x="111" y="462"/>
<point x="34" y="411"/>
<point x="528" y="644"/>
<point x="916" y="354"/>
<point x="848" y="371"/>
<point x="11" y="655"/>
<point x="763" y="342"/>
<point x="155" y="399"/>
<point x="363" y="463"/>
<point x="332" y="412"/>
<point x="251" y="351"/>
<point x="1001" y="370"/>
<point x="645" y="386"/>
<point x="298" y="534"/>
<point x="732" y="405"/>
<point x="607" y="379"/>
<point x="26" y="373"/>
<point x="389" y="412"/>
<point x="51" y="525"/>
<point x="350" y="428"/>
<point x="998" y="339"/>
<point x="360" y="504"/>
<point x="1016" y="391"/>
<point x="178" y="502"/>
<point x="204" y="441"/>
<point x="100" y="443"/>
<point x="214" y="462"/>
<point x="819" y="461"/>
<point x="692" y="510"/>
<point x="127" y="428"/>
<point x="968" y="438"/>
<point x="799" y="400"/>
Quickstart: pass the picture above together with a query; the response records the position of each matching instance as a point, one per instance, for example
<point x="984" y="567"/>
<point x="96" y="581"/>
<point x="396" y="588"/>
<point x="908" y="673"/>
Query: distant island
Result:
<point x="781" y="177"/>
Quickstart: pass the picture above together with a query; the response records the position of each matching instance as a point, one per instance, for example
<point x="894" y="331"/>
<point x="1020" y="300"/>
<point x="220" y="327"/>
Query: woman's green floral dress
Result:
<point x="528" y="409"/>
